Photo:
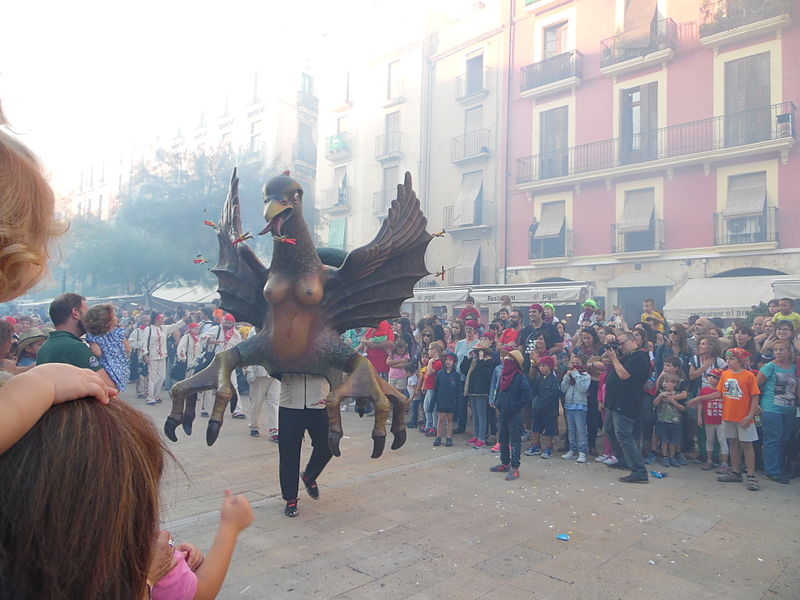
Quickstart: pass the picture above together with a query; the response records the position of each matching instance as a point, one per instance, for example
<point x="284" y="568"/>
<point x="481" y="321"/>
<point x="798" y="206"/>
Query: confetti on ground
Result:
<point x="563" y="537"/>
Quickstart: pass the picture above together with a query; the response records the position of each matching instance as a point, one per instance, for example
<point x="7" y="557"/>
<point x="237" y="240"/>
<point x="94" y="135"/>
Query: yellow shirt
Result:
<point x="793" y="317"/>
<point x="657" y="315"/>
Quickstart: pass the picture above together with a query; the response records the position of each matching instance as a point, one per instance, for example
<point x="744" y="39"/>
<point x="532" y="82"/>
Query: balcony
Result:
<point x="559" y="247"/>
<point x="648" y="241"/>
<point x="758" y="229"/>
<point x="552" y="75"/>
<point x="483" y="218"/>
<point x="471" y="88"/>
<point x="338" y="147"/>
<point x="389" y="146"/>
<point x="304" y="158"/>
<point x="381" y="201"/>
<point x="336" y="200"/>
<point x="307" y="103"/>
<point x="620" y="54"/>
<point x="470" y="146"/>
<point x="771" y="128"/>
<point x="727" y="21"/>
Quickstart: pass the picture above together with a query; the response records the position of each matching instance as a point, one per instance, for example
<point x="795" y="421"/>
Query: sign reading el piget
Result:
<point x="567" y="294"/>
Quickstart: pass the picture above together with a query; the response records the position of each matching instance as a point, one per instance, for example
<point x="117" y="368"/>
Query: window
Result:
<point x="340" y="178"/>
<point x="307" y="148"/>
<point x="474" y="79"/>
<point x="555" y="40"/>
<point x="347" y="87"/>
<point x="747" y="100"/>
<point x="639" y="123"/>
<point x="390" y="180"/>
<point x="468" y="271"/>
<point x="393" y="86"/>
<point x="307" y="83"/>
<point x="638" y="24"/>
<point x="469" y="208"/>
<point x="549" y="237"/>
<point x="100" y="206"/>
<point x="88" y="206"/>
<point x="337" y="233"/>
<point x="745" y="212"/>
<point x="553" y="150"/>
<point x="391" y="131"/>
<point x="473" y="119"/>
<point x="636" y="230"/>
<point x="255" y="137"/>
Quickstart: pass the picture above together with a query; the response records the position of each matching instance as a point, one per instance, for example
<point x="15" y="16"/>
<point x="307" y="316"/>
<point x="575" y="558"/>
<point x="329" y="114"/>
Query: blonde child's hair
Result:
<point x="27" y="221"/>
<point x="670" y="377"/>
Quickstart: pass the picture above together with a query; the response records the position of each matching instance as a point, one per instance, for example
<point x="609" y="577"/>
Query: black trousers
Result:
<point x="292" y="424"/>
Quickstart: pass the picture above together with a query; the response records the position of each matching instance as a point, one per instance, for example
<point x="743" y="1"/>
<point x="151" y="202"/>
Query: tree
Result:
<point x="159" y="229"/>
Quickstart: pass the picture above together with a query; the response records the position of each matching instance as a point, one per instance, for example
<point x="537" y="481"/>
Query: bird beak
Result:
<point x="275" y="213"/>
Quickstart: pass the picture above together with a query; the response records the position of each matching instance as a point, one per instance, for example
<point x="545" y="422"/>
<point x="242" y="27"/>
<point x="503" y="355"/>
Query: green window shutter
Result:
<point x="337" y="233"/>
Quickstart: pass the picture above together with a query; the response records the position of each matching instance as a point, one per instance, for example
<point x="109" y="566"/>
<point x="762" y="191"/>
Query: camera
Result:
<point x="612" y="346"/>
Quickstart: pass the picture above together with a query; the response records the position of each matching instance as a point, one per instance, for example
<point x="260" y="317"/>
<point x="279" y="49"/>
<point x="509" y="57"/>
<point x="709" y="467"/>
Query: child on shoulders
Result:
<point x="108" y="342"/>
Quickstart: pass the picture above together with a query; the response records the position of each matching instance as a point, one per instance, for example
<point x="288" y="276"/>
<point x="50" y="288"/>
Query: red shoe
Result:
<point x="500" y="468"/>
<point x="496" y="447"/>
<point x="479" y="444"/>
<point x="471" y="441"/>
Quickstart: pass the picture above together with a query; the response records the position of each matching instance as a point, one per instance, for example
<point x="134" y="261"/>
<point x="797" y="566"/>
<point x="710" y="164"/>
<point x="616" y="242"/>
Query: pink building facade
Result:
<point x="651" y="142"/>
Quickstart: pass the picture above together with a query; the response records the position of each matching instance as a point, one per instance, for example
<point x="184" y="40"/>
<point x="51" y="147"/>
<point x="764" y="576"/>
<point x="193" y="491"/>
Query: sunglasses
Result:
<point x="672" y="331"/>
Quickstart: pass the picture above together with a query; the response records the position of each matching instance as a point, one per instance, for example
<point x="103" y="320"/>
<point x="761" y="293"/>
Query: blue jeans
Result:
<point x="620" y="432"/>
<point x="430" y="414"/>
<point x="510" y="432"/>
<point x="578" y="436"/>
<point x="480" y="404"/>
<point x="777" y="429"/>
<point x="416" y="405"/>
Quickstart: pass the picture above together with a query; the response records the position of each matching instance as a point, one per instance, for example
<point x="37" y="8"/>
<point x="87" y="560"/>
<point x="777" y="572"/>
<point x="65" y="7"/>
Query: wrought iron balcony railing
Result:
<point x="306" y="153"/>
<point x="555" y="247"/>
<point x="466" y="84"/>
<point x="470" y="145"/>
<point x="724" y="15"/>
<point x="381" y="201"/>
<point x="308" y="101"/>
<point x="336" y="198"/>
<point x="746" y="230"/>
<point x="617" y="49"/>
<point x="389" y="145"/>
<point x="638" y="241"/>
<point x="703" y="136"/>
<point x="550" y="70"/>
<point x="338" y="146"/>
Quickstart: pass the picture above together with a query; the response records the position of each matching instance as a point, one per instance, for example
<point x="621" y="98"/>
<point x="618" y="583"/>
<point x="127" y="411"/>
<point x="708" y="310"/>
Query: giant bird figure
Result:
<point x="301" y="306"/>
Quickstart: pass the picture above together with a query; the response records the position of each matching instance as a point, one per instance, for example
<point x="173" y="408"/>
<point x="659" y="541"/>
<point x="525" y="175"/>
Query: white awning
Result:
<point x="726" y="297"/>
<point x="552" y="292"/>
<point x="786" y="288"/>
<point x="638" y="212"/>
<point x="471" y="184"/>
<point x="464" y="272"/>
<point x="638" y="18"/>
<point x="552" y="220"/>
<point x="436" y="295"/>
<point x="747" y="195"/>
<point x="190" y="294"/>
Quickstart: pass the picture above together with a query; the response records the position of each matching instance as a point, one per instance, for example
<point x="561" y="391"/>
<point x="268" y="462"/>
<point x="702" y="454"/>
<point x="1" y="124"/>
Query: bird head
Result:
<point x="283" y="196"/>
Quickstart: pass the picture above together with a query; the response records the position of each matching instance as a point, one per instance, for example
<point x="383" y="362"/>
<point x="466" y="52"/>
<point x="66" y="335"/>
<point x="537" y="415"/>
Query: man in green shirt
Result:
<point x="64" y="344"/>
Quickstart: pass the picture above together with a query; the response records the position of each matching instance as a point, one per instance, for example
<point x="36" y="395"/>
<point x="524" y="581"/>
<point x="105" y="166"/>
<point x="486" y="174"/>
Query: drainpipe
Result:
<point x="507" y="174"/>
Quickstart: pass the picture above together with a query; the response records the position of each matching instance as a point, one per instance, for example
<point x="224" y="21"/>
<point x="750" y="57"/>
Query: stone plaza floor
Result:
<point x="424" y="522"/>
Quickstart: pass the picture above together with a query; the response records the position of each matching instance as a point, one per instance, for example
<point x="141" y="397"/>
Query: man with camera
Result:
<point x="624" y="384"/>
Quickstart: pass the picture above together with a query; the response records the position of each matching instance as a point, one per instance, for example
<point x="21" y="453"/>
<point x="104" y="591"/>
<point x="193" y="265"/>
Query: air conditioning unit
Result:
<point x="784" y="125"/>
<point x="743" y="230"/>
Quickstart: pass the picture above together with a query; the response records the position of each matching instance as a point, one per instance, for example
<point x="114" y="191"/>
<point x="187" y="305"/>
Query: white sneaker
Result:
<point x="581" y="457"/>
<point x="569" y="455"/>
<point x="611" y="460"/>
<point x="602" y="458"/>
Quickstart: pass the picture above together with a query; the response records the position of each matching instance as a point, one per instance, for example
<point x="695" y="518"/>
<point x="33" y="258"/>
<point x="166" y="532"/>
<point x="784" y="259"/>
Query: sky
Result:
<point x="81" y="80"/>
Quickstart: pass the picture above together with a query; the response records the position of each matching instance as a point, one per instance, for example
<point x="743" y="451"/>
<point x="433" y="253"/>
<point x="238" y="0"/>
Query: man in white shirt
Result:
<point x="302" y="408"/>
<point x="219" y="338"/>
<point x="262" y="387"/>
<point x="154" y="352"/>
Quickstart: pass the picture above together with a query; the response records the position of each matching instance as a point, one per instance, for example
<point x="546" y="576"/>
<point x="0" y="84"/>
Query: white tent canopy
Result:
<point x="786" y="288"/>
<point x="557" y="292"/>
<point x="196" y="294"/>
<point x="725" y="297"/>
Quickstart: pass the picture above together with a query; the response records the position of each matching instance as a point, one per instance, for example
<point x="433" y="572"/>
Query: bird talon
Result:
<point x="333" y="443"/>
<point x="170" y="425"/>
<point x="212" y="433"/>
<point x="399" y="439"/>
<point x="378" y="444"/>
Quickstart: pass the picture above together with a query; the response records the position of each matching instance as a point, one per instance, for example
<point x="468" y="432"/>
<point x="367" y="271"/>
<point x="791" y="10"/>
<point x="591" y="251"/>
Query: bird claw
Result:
<point x="378" y="444"/>
<point x="212" y="433"/>
<point x="399" y="439"/>
<point x="333" y="443"/>
<point x="170" y="425"/>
